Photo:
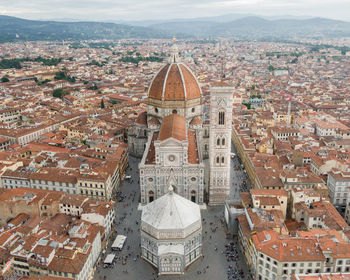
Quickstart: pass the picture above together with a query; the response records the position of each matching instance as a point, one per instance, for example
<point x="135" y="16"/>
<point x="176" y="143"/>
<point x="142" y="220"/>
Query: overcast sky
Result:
<point x="169" y="9"/>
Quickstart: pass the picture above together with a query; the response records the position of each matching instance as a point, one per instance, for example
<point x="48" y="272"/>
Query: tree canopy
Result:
<point x="59" y="93"/>
<point x="63" y="76"/>
<point x="5" y="79"/>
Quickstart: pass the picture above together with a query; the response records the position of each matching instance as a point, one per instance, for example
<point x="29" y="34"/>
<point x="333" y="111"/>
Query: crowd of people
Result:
<point x="234" y="271"/>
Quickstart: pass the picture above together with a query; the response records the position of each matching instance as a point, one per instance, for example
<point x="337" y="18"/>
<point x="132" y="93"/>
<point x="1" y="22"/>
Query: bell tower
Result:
<point x="220" y="130"/>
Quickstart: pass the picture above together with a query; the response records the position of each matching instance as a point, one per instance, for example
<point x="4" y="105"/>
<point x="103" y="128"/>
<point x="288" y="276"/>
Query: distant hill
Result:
<point x="253" y="27"/>
<point x="218" y="19"/>
<point x="231" y="25"/>
<point x="16" y="29"/>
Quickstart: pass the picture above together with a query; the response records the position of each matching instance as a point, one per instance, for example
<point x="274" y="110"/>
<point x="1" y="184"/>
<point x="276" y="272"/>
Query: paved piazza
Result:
<point x="214" y="264"/>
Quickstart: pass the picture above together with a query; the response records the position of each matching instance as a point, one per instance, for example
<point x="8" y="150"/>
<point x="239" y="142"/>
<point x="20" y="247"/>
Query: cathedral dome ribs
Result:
<point x="173" y="85"/>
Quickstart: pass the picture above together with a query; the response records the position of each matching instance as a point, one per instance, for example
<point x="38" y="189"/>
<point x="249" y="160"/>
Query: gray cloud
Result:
<point x="169" y="9"/>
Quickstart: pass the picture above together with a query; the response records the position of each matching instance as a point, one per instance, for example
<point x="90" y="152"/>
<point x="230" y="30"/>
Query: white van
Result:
<point x="109" y="261"/>
<point x="119" y="242"/>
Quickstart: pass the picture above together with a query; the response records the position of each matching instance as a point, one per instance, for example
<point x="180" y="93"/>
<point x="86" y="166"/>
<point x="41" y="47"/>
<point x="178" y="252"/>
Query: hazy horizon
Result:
<point x="134" y="10"/>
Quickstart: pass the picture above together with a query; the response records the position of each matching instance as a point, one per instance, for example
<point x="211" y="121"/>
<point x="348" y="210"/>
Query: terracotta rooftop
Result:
<point x="221" y="84"/>
<point x="154" y="121"/>
<point x="192" y="148"/>
<point x="151" y="156"/>
<point x="322" y="276"/>
<point x="269" y="201"/>
<point x="173" y="126"/>
<point x="196" y="120"/>
<point x="174" y="82"/>
<point x="288" y="249"/>
<point x="246" y="198"/>
<point x="142" y="118"/>
<point x="268" y="192"/>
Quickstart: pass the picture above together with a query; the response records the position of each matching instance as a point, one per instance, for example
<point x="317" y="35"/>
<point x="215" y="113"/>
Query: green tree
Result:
<point x="60" y="75"/>
<point x="48" y="61"/>
<point x="39" y="83"/>
<point x="93" y="87"/>
<point x="247" y="105"/>
<point x="102" y="104"/>
<point x="271" y="68"/>
<point x="343" y="50"/>
<point x="59" y="93"/>
<point x="11" y="63"/>
<point x="5" y="79"/>
<point x="63" y="76"/>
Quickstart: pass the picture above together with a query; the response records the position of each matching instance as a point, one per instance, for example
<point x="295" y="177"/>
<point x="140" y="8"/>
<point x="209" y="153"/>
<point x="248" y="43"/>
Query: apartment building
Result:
<point x="338" y="183"/>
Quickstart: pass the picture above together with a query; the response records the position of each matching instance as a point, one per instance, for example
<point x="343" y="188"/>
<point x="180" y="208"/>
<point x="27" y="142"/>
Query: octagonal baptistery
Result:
<point x="171" y="233"/>
<point x="174" y="88"/>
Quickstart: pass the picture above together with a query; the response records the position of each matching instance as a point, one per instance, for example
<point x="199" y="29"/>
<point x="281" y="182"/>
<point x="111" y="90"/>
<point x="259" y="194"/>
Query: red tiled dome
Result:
<point x="174" y="82"/>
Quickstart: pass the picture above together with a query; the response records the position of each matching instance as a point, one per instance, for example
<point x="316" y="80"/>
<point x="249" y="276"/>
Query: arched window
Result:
<point x="217" y="160"/>
<point x="206" y="147"/>
<point x="193" y="196"/>
<point x="223" y="160"/>
<point x="223" y="141"/>
<point x="218" y="142"/>
<point x="174" y="111"/>
<point x="221" y="117"/>
<point x="150" y="196"/>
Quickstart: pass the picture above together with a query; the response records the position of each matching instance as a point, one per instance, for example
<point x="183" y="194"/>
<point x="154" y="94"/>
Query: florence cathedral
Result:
<point x="183" y="157"/>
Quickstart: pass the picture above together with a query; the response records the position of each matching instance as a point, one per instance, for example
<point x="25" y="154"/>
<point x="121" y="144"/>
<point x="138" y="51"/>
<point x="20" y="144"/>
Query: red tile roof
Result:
<point x="173" y="126"/>
<point x="192" y="148"/>
<point x="174" y="82"/>
<point x="151" y="156"/>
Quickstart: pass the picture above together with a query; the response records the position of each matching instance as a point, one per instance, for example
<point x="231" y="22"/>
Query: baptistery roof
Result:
<point x="171" y="212"/>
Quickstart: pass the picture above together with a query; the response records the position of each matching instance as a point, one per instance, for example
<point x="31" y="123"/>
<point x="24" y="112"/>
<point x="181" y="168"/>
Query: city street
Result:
<point x="237" y="177"/>
<point x="213" y="265"/>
